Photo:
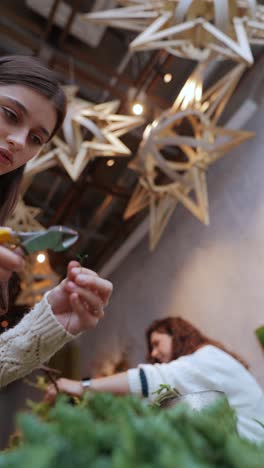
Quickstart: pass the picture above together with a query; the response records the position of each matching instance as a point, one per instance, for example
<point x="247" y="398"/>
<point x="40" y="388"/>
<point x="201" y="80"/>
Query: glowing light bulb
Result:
<point x="137" y="108"/>
<point x="167" y="77"/>
<point x="41" y="258"/>
<point x="110" y="162"/>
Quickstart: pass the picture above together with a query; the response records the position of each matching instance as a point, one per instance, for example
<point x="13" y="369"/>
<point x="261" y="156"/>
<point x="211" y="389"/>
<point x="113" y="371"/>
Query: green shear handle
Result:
<point x="56" y="238"/>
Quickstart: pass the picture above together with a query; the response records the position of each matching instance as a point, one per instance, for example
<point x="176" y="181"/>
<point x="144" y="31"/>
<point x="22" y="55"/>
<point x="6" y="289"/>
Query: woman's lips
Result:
<point x="6" y="157"/>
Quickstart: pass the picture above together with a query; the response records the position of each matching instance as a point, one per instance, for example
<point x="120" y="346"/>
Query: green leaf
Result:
<point x="260" y="335"/>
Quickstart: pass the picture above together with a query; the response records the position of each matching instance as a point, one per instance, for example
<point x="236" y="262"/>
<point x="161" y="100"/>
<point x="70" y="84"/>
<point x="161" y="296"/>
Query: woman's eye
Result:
<point x="11" y="115"/>
<point x="36" y="140"/>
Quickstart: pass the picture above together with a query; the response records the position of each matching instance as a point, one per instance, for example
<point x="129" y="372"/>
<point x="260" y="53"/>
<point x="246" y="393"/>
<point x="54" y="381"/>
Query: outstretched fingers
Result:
<point x="74" y="267"/>
<point x="86" y="296"/>
<point x="100" y="286"/>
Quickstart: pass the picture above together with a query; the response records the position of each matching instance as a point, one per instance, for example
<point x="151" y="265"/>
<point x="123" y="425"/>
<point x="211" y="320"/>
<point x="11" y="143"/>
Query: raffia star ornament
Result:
<point x="92" y="130"/>
<point x="35" y="278"/>
<point x="194" y="29"/>
<point x="24" y="218"/>
<point x="178" y="148"/>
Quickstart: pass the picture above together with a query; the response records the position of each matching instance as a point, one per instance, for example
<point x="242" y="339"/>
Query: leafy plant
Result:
<point x="165" y="392"/>
<point x="105" y="431"/>
<point x="82" y="259"/>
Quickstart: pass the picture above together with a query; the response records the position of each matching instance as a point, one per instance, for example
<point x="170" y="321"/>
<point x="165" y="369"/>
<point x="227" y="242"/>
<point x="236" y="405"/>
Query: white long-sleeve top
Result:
<point x="33" y="341"/>
<point x="209" y="368"/>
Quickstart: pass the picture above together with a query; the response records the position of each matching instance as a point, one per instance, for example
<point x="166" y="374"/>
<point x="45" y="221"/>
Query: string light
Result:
<point x="137" y="108"/>
<point x="110" y="162"/>
<point x="167" y="77"/>
<point x="41" y="258"/>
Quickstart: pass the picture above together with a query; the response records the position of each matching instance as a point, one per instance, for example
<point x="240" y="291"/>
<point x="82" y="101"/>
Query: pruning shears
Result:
<point x="56" y="238"/>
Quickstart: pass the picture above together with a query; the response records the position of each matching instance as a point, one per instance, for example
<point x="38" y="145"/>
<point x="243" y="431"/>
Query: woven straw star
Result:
<point x="178" y="149"/>
<point x="194" y="29"/>
<point x="92" y="130"/>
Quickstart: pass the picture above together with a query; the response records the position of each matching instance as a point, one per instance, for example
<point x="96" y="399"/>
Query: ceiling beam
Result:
<point x="51" y="18"/>
<point x="68" y="25"/>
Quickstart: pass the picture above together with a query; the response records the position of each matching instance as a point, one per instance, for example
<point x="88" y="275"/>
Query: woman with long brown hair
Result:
<point x="185" y="339"/>
<point x="32" y="109"/>
<point x="184" y="358"/>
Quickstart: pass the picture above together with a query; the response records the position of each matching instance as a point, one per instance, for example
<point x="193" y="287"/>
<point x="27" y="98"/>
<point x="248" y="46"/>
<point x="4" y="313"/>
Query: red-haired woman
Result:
<point x="182" y="357"/>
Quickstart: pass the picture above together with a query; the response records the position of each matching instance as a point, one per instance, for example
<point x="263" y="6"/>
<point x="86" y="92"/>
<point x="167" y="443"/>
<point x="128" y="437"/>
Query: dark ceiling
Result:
<point x="93" y="205"/>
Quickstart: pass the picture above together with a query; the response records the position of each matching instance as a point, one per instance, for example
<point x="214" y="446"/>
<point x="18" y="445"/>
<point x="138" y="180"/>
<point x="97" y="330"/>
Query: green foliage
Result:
<point x="105" y="431"/>
<point x="260" y="335"/>
<point x="164" y="393"/>
<point x="82" y="259"/>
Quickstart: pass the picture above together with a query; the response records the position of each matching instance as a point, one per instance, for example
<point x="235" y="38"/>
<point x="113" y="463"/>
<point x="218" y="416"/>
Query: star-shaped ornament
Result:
<point x="194" y="29"/>
<point x="92" y="130"/>
<point x="24" y="218"/>
<point x="36" y="278"/>
<point x="178" y="148"/>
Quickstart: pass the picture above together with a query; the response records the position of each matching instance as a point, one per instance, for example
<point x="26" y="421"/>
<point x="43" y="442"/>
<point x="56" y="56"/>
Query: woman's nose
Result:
<point x="17" y="140"/>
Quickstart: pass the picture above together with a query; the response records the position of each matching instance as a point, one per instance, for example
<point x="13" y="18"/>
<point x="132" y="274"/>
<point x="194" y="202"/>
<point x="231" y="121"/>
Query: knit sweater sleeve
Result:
<point x="204" y="369"/>
<point x="33" y="341"/>
<point x="147" y="378"/>
<point x="180" y="374"/>
<point x="209" y="368"/>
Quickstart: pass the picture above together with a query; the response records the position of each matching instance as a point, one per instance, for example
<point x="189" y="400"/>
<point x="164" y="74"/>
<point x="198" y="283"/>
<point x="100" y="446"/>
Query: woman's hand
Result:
<point x="71" y="387"/>
<point x="79" y="301"/>
<point x="10" y="261"/>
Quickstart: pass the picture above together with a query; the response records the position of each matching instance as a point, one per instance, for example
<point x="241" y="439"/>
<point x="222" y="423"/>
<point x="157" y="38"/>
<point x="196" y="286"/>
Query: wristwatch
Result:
<point x="86" y="383"/>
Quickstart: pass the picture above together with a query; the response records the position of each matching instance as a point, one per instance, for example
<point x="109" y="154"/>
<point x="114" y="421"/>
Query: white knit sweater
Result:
<point x="210" y="368"/>
<point x="33" y="341"/>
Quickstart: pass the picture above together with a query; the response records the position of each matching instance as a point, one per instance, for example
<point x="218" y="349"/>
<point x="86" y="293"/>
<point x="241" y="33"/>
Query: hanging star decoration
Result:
<point x="179" y="147"/>
<point x="193" y="29"/>
<point x="23" y="218"/>
<point x="90" y="131"/>
<point x="36" y="278"/>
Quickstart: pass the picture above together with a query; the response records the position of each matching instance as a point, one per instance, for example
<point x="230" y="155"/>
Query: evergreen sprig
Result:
<point x="105" y="431"/>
